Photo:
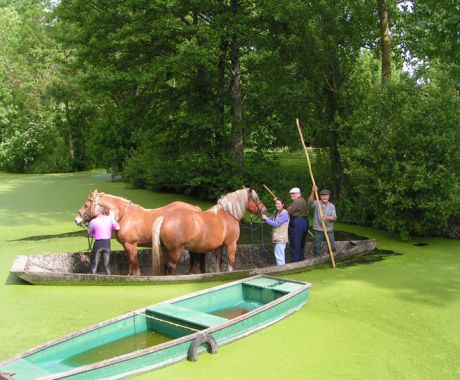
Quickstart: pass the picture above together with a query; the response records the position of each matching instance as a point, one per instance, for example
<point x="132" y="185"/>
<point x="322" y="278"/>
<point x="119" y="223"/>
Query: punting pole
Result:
<point x="316" y="194"/>
<point x="271" y="193"/>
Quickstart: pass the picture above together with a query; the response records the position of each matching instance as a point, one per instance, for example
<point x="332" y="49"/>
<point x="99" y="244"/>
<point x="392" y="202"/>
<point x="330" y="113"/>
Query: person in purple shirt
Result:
<point x="101" y="229"/>
<point x="280" y="224"/>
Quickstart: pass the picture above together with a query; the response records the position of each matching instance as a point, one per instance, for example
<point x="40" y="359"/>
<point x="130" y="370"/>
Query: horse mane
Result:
<point x="235" y="203"/>
<point x="114" y="196"/>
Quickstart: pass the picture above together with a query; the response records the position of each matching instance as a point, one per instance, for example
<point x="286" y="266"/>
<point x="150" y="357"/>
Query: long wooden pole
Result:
<point x="271" y="193"/>
<point x="274" y="197"/>
<point x="316" y="194"/>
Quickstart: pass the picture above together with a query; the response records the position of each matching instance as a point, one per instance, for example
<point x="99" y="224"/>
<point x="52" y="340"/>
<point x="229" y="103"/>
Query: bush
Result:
<point x="402" y="164"/>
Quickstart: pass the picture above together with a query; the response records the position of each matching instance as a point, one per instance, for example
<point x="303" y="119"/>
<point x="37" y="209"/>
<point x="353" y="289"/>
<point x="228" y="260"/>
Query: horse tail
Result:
<point x="157" y="256"/>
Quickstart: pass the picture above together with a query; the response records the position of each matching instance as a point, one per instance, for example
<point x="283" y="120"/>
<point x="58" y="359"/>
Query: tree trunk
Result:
<point x="221" y="69"/>
<point x="334" y="153"/>
<point x="221" y="89"/>
<point x="69" y="131"/>
<point x="237" y="109"/>
<point x="384" y="20"/>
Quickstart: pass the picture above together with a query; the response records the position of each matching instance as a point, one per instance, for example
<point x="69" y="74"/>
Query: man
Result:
<point x="101" y="229"/>
<point x="298" y="224"/>
<point x="329" y="217"/>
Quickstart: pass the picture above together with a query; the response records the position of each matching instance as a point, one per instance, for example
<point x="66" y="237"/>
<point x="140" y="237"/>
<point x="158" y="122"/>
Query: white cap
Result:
<point x="294" y="190"/>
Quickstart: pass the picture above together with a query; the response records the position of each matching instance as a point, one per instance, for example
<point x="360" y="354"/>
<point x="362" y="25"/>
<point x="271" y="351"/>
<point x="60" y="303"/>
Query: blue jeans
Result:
<point x="297" y="231"/>
<point x="279" y="253"/>
<point x="320" y="238"/>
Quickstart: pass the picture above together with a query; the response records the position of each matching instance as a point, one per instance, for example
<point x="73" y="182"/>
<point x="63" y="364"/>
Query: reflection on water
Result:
<point x="119" y="347"/>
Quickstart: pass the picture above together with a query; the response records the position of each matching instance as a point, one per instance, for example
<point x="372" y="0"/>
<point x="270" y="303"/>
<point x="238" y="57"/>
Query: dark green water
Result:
<point x="241" y="308"/>
<point x="119" y="347"/>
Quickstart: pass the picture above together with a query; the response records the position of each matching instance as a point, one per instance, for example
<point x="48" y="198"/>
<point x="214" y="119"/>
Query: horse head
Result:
<point x="89" y="208"/>
<point x="255" y="205"/>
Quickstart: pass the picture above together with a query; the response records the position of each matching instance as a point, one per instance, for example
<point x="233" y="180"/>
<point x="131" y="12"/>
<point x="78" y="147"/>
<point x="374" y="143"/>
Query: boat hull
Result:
<point x="73" y="268"/>
<point x="194" y="322"/>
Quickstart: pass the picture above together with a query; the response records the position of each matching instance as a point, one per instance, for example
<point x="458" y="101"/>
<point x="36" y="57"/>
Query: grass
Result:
<point x="393" y="319"/>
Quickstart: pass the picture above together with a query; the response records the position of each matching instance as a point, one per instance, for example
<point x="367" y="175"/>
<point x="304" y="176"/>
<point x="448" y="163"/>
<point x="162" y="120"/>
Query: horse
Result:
<point x="202" y="231"/>
<point x="135" y="221"/>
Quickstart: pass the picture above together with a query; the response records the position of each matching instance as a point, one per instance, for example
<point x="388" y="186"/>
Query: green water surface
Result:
<point x="392" y="318"/>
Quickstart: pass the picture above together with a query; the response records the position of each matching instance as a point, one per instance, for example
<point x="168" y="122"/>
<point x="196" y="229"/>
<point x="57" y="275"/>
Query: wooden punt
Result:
<point x="73" y="268"/>
<point x="162" y="334"/>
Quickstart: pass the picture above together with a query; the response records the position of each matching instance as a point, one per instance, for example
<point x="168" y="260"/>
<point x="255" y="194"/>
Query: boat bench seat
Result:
<point x="185" y="314"/>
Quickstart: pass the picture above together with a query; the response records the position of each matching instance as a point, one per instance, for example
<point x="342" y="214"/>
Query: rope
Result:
<point x="253" y="227"/>
<point x="167" y="322"/>
<point x="90" y="240"/>
<point x="135" y="332"/>
<point x="252" y="235"/>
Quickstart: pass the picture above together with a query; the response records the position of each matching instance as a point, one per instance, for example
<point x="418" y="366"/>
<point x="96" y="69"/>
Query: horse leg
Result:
<point x="174" y="257"/>
<point x="203" y="263"/>
<point x="131" y="250"/>
<point x="231" y="252"/>
<point x="219" y="259"/>
<point x="194" y="263"/>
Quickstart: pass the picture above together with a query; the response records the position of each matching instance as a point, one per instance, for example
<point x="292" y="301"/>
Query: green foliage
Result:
<point x="432" y="35"/>
<point x="403" y="164"/>
<point x="29" y="136"/>
<point x="149" y="89"/>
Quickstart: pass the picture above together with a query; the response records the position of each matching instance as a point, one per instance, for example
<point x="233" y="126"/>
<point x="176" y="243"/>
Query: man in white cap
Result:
<point x="298" y="224"/>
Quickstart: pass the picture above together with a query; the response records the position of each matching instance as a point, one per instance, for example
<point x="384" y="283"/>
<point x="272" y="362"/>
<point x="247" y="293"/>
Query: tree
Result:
<point x="385" y="38"/>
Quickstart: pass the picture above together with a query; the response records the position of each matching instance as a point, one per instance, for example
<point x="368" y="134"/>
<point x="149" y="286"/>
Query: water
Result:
<point x="119" y="347"/>
<point x="260" y="233"/>
<point x="240" y="308"/>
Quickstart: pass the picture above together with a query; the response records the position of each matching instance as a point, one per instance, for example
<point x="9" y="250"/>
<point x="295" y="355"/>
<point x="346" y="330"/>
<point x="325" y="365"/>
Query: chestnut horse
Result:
<point x="135" y="221"/>
<point x="202" y="231"/>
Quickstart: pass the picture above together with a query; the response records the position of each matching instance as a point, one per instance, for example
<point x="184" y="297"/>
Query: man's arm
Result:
<point x="311" y="198"/>
<point x="115" y="225"/>
<point x="294" y="207"/>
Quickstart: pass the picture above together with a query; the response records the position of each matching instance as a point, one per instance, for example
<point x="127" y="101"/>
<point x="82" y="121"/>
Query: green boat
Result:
<point x="162" y="334"/>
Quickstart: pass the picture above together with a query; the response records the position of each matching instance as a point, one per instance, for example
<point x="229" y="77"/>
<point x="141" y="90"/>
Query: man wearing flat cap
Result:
<point x="329" y="217"/>
<point x="298" y="224"/>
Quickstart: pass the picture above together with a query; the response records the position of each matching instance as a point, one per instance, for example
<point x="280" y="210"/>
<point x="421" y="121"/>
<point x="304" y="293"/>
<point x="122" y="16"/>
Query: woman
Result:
<point x="280" y="224"/>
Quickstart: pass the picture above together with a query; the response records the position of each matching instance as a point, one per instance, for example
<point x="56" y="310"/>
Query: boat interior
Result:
<point x="157" y="324"/>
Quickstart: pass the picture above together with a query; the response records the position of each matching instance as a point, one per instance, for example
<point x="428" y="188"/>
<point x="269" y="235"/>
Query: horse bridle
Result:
<point x="86" y="216"/>
<point x="258" y="203"/>
<point x="94" y="204"/>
